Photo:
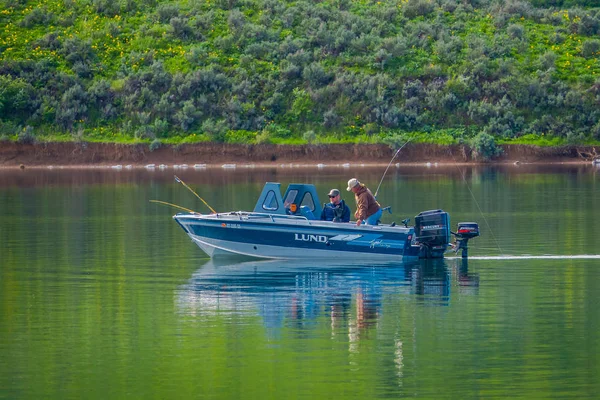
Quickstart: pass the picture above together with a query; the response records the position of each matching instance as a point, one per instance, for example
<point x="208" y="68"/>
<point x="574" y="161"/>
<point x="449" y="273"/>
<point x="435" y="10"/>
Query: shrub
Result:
<point x="38" y="16"/>
<point x="49" y="41"/>
<point x="484" y="147"/>
<point x="273" y="131"/>
<point x="309" y="136"/>
<point x="589" y="25"/>
<point x="160" y="127"/>
<point x="331" y="119"/>
<point x="590" y="48"/>
<point x="449" y="49"/>
<point x="395" y="141"/>
<point x="188" y="115"/>
<point x="596" y="131"/>
<point x="155" y="145"/>
<point x="26" y="136"/>
<point x="316" y="76"/>
<point x="73" y="107"/>
<point x="17" y="97"/>
<point x="515" y="31"/>
<point x="9" y="128"/>
<point x="179" y="28"/>
<point x="416" y="8"/>
<point x="302" y="105"/>
<point x="165" y="12"/>
<point x="548" y="60"/>
<point x="240" y="136"/>
<point x="215" y="130"/>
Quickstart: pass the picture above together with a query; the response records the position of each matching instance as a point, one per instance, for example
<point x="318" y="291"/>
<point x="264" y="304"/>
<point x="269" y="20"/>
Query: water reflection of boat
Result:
<point x="287" y="227"/>
<point x="284" y="291"/>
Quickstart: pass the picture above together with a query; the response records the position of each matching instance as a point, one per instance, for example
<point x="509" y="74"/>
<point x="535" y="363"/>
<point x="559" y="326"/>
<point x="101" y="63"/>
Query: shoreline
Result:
<point x="218" y="155"/>
<point x="258" y="166"/>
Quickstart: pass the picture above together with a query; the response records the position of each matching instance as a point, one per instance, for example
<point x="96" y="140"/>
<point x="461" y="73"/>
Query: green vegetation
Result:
<point x="276" y="71"/>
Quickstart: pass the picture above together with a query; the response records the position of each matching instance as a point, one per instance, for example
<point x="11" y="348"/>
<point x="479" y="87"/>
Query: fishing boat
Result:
<point x="288" y="227"/>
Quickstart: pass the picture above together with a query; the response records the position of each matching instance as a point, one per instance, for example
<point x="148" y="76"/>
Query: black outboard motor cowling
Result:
<point x="432" y="233"/>
<point x="465" y="231"/>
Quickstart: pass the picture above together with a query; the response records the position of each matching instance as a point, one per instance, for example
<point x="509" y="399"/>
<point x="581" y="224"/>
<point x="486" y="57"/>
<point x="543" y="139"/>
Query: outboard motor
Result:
<point x="465" y="231"/>
<point x="432" y="233"/>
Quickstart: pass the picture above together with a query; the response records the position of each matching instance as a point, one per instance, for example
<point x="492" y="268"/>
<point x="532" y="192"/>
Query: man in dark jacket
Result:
<point x="336" y="210"/>
<point x="367" y="208"/>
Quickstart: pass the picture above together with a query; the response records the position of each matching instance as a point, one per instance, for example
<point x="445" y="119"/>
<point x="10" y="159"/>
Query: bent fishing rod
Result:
<point x="173" y="205"/>
<point x="196" y="194"/>
<point x="388" y="167"/>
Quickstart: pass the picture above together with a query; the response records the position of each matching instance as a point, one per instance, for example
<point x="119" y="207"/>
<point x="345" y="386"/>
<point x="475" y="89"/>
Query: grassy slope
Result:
<point x="123" y="42"/>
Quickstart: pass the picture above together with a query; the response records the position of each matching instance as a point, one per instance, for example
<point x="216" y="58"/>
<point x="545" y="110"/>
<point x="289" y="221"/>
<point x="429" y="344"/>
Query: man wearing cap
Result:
<point x="367" y="208"/>
<point x="336" y="210"/>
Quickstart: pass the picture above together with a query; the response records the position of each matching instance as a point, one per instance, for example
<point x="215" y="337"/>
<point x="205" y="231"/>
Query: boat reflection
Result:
<point x="297" y="294"/>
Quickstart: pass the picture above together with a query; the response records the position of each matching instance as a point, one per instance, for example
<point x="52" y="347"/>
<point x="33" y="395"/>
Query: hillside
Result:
<point x="275" y="71"/>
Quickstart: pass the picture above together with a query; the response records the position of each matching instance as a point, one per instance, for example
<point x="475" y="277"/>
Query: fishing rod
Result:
<point x="173" y="205"/>
<point x="190" y="189"/>
<point x="388" y="167"/>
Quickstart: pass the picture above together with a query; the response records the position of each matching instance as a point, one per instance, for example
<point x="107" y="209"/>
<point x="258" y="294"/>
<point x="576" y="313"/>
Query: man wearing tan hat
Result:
<point x="367" y="208"/>
<point x="336" y="210"/>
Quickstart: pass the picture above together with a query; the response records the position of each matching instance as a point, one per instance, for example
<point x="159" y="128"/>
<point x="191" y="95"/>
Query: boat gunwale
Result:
<point x="265" y="218"/>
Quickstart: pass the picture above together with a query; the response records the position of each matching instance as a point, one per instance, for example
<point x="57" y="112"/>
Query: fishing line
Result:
<point x="388" y="167"/>
<point x="477" y="204"/>
<point x="196" y="194"/>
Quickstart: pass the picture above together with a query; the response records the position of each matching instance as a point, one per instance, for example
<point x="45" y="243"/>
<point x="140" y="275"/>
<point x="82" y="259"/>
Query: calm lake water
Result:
<point x="103" y="296"/>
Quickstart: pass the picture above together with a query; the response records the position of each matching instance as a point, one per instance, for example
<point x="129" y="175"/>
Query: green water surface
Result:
<point x="103" y="296"/>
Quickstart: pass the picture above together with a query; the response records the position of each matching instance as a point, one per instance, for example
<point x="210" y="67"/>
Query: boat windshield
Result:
<point x="308" y="201"/>
<point x="289" y="199"/>
<point x="270" y="203"/>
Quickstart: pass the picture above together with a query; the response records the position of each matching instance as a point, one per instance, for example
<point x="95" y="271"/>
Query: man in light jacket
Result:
<point x="367" y="208"/>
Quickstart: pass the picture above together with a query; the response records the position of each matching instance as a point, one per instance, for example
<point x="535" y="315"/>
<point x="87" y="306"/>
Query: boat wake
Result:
<point x="541" y="257"/>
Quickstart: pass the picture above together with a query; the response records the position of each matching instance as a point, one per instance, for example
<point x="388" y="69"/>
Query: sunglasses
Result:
<point x="331" y="197"/>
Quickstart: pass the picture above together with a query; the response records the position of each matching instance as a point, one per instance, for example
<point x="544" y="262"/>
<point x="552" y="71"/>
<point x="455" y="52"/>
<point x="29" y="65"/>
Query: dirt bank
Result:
<point x="95" y="154"/>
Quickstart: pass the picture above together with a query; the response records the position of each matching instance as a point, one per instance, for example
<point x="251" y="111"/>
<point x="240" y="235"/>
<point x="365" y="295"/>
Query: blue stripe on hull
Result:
<point x="304" y="237"/>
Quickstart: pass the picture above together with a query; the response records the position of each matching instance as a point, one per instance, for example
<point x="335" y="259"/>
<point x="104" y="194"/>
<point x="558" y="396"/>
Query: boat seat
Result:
<point x="306" y="212"/>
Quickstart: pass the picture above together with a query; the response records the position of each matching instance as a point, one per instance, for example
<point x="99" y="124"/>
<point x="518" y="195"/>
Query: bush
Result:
<point x="38" y="16"/>
<point x="590" y="48"/>
<point x="155" y="145"/>
<point x="17" y="97"/>
<point x="49" y="41"/>
<point x="331" y="119"/>
<point x="484" y="147"/>
<point x="9" y="128"/>
<point x="215" y="130"/>
<point x="179" y="28"/>
<point x="416" y="8"/>
<point x="26" y="136"/>
<point x="548" y="60"/>
<point x="316" y="76"/>
<point x="188" y="116"/>
<point x="395" y="141"/>
<point x="309" y="136"/>
<point x="516" y="31"/>
<point x="240" y="136"/>
<point x="73" y="107"/>
<point x="596" y="131"/>
<point x="165" y="12"/>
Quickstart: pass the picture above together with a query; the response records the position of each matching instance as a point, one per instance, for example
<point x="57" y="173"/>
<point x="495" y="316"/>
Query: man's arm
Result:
<point x="361" y="208"/>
